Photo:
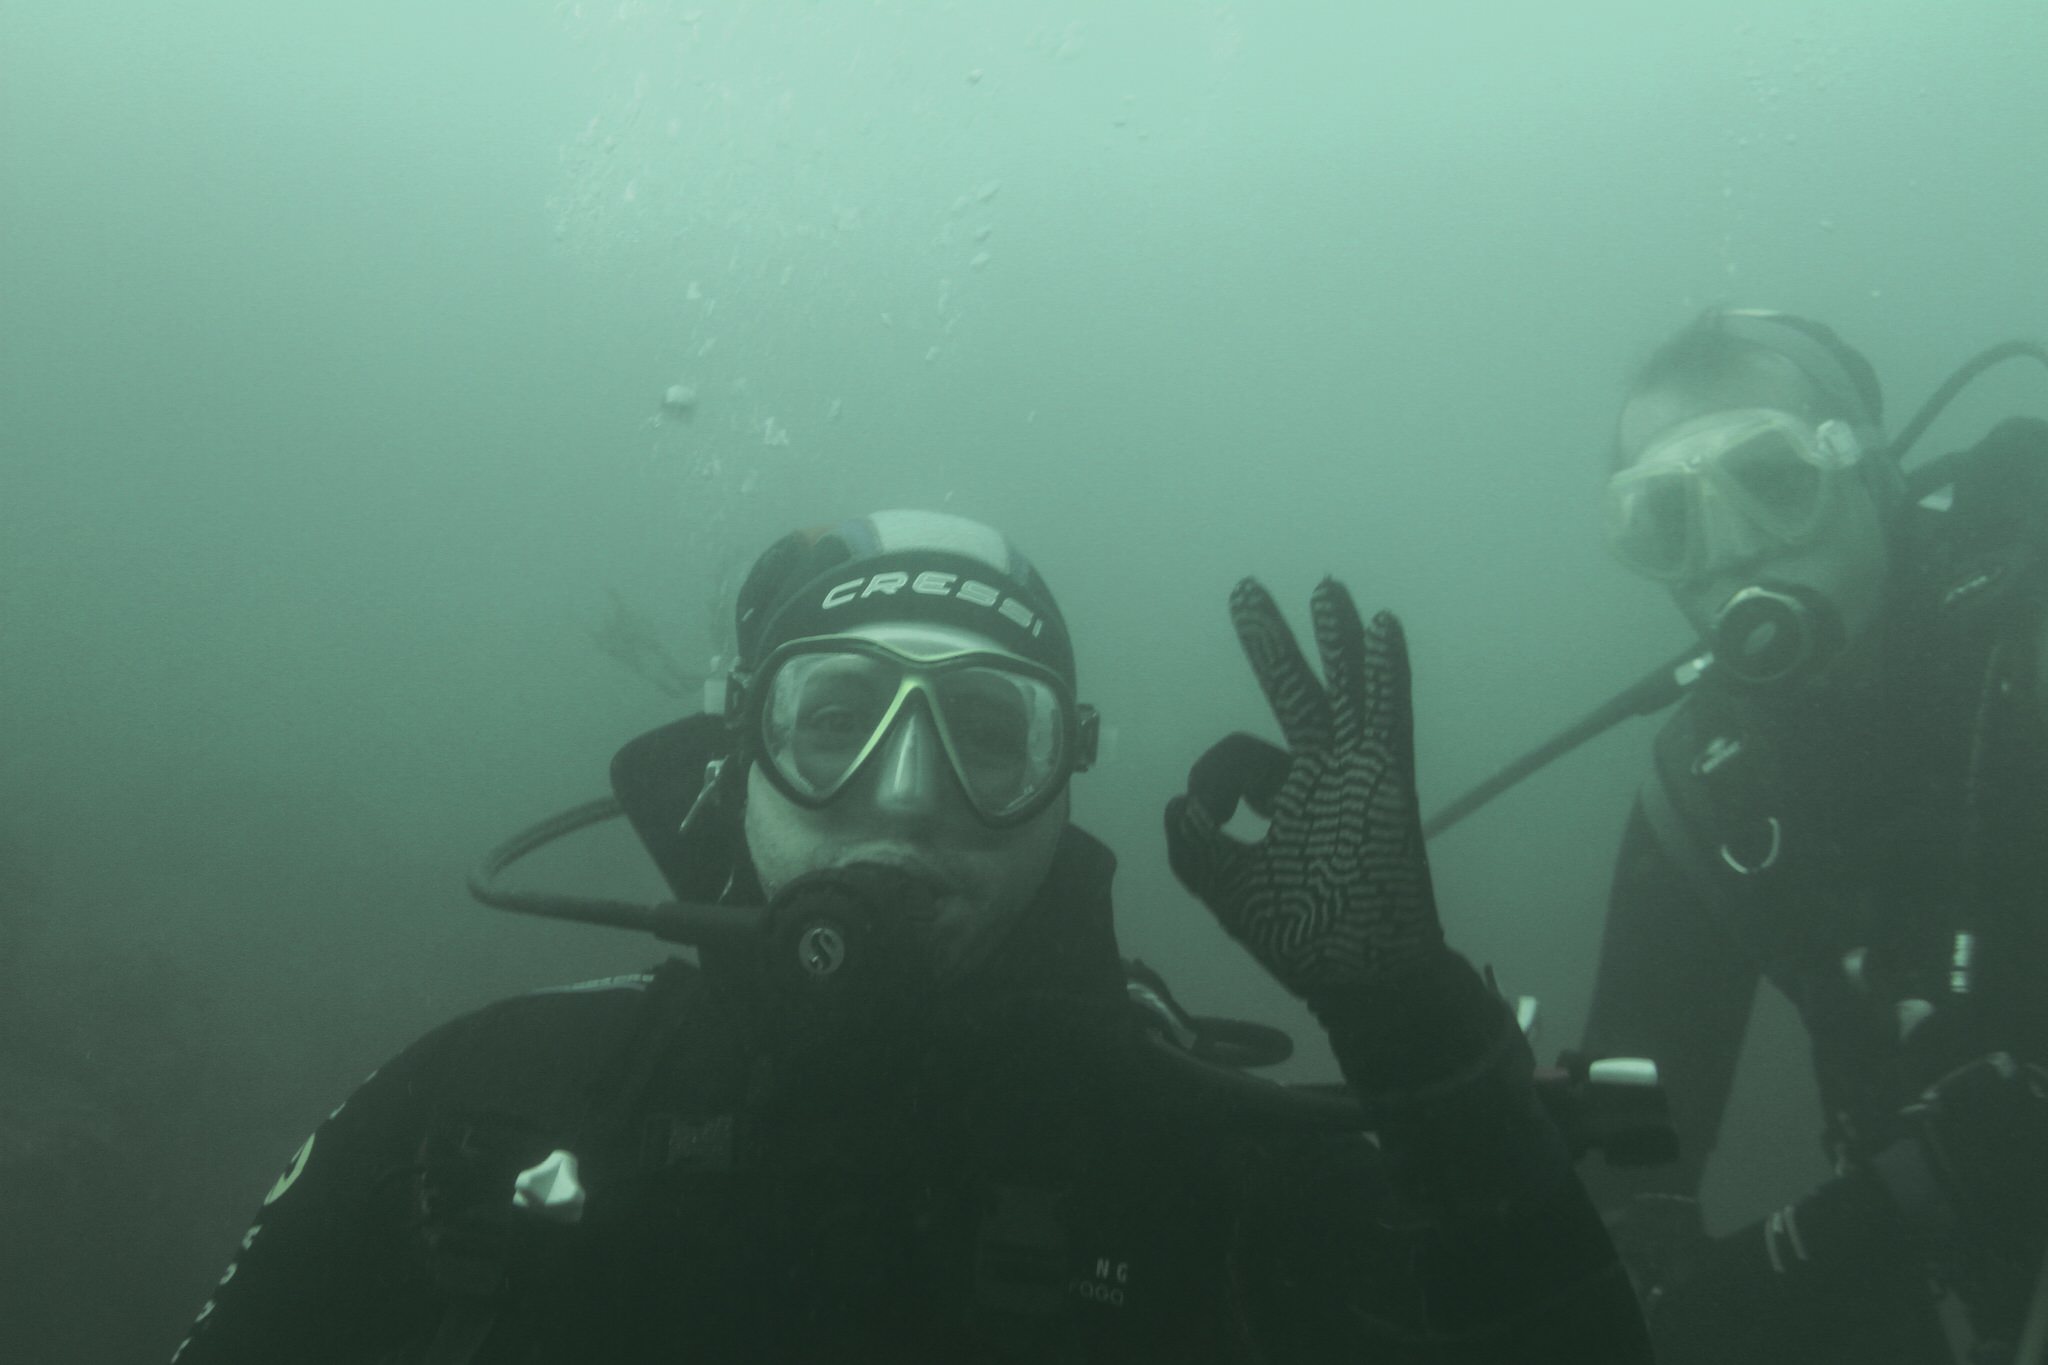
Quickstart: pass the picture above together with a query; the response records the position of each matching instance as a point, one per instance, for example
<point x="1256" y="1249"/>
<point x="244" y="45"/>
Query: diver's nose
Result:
<point x="1732" y="539"/>
<point x="910" y="779"/>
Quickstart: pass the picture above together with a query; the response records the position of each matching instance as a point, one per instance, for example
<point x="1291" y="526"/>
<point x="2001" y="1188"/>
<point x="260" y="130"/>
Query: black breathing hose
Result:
<point x="1940" y="472"/>
<point x="1654" y="691"/>
<point x="1214" y="1054"/>
<point x="483" y="878"/>
<point x="1210" y="1052"/>
<point x="671" y="921"/>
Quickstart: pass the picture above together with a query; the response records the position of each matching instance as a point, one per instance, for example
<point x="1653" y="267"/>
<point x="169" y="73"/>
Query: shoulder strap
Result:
<point x="1679" y="842"/>
<point x="1734" y="859"/>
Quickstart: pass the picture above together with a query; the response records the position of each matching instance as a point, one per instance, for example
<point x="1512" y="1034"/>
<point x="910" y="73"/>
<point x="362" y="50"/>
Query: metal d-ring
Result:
<point x="1770" y="856"/>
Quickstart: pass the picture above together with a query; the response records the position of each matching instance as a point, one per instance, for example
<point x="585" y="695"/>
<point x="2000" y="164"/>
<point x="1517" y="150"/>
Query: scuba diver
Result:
<point x="906" y="1105"/>
<point x="1852" y="804"/>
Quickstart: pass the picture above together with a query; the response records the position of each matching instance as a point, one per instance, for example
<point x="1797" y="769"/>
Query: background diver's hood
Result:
<point x="1064" y="943"/>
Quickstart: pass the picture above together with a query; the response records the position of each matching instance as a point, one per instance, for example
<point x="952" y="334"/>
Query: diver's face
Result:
<point x="1846" y="562"/>
<point x="905" y="809"/>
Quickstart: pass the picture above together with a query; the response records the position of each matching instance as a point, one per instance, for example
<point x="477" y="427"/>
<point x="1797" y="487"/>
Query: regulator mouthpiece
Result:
<point x="851" y="942"/>
<point x="1769" y="636"/>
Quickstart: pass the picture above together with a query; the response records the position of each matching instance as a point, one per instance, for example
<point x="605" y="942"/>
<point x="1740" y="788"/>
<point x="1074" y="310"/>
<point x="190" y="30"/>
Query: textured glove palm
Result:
<point x="1337" y="894"/>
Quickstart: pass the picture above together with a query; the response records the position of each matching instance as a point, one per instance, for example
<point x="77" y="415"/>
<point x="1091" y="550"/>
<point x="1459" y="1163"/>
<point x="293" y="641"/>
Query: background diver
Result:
<point x="1852" y="803"/>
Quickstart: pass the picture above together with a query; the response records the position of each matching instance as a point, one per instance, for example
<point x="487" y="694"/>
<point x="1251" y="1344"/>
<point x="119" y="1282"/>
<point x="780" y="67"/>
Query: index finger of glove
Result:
<point x="1204" y="859"/>
<point x="1238" y="768"/>
<point x="1291" y="687"/>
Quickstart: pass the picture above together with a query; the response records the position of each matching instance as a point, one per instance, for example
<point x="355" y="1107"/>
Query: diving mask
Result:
<point x="1728" y="488"/>
<point x="818" y="710"/>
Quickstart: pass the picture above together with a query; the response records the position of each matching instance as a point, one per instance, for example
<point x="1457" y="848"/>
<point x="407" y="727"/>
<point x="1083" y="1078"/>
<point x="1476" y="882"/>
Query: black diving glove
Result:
<point x="1335" y="900"/>
<point x="1970" y="1186"/>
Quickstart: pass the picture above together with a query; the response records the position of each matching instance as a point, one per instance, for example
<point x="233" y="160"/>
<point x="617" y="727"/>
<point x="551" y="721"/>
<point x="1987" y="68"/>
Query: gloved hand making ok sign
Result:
<point x="1335" y="900"/>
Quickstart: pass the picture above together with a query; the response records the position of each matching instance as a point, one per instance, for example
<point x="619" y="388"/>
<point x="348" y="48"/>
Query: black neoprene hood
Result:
<point x="837" y="580"/>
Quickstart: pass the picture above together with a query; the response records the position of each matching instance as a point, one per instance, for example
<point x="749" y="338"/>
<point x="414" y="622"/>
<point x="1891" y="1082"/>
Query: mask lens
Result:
<point x="1774" y="475"/>
<point x="1649" y="519"/>
<point x="821" y="713"/>
<point x="825" y="711"/>
<point x="1007" y="732"/>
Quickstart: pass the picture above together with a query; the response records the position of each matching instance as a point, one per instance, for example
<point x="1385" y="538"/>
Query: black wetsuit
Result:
<point x="1030" y="1183"/>
<point x="1836" y="844"/>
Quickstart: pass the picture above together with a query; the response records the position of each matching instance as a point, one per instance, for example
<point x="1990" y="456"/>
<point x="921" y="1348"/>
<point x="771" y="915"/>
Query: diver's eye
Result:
<point x="987" y="713"/>
<point x="840" y="723"/>
<point x="986" y="728"/>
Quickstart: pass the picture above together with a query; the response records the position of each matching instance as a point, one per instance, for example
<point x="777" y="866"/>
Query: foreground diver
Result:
<point x="1853" y="805"/>
<point x="972" y="1153"/>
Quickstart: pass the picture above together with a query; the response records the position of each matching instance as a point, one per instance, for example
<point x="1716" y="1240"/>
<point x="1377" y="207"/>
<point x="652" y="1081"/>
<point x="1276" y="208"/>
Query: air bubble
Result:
<point x="679" y="402"/>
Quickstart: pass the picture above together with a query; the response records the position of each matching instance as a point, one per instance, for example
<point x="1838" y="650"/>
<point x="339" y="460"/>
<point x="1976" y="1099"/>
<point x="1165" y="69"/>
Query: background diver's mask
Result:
<point x="1727" y="489"/>
<point x="1736" y="490"/>
<point x="819" y="710"/>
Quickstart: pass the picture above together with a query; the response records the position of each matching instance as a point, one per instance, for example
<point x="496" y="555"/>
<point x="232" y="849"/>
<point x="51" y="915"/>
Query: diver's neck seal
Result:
<point x="1767" y="636"/>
